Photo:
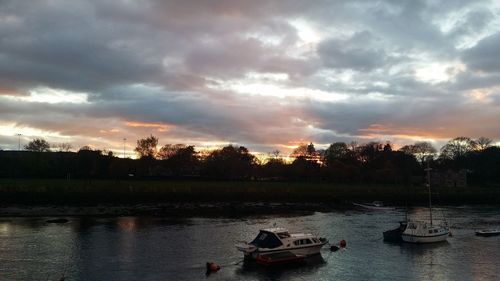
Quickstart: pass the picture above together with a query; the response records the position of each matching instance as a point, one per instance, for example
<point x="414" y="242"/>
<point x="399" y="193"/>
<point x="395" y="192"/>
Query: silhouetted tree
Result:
<point x="483" y="143"/>
<point x="168" y="150"/>
<point x="230" y="162"/>
<point x="387" y="147"/>
<point x="85" y="147"/>
<point x="368" y="152"/>
<point x="275" y="154"/>
<point x="457" y="148"/>
<point x="337" y="151"/>
<point x="184" y="162"/>
<point x="421" y="150"/>
<point x="274" y="168"/>
<point x="64" y="147"/>
<point x="302" y="168"/>
<point x="306" y="151"/>
<point x="38" y="145"/>
<point x="146" y="148"/>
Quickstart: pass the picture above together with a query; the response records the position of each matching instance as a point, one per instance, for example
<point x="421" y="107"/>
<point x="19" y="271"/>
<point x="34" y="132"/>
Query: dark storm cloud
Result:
<point x="484" y="55"/>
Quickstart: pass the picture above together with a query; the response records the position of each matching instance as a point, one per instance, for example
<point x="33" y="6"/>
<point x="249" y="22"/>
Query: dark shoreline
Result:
<point x="216" y="209"/>
<point x="184" y="210"/>
<point x="42" y="197"/>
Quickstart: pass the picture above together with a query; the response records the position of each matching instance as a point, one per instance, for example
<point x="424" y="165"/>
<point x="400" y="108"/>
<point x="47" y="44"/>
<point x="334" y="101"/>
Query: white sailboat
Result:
<point x="419" y="231"/>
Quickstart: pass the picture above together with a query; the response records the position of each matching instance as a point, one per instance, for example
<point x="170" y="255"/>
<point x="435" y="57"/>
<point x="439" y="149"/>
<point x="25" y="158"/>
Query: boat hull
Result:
<point x="281" y="258"/>
<point x="372" y="207"/>
<point x="302" y="251"/>
<point x="424" y="239"/>
<point x="393" y="235"/>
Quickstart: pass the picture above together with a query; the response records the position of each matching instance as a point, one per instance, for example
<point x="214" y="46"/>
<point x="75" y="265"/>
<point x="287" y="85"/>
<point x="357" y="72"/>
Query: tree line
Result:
<point x="372" y="162"/>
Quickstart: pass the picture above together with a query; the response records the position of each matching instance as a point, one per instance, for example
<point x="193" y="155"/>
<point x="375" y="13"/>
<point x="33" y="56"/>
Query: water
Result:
<point x="142" y="248"/>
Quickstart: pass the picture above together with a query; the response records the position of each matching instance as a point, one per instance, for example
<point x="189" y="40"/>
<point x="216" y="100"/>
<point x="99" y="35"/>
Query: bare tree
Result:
<point x="458" y="147"/>
<point x="421" y="150"/>
<point x="64" y="147"/>
<point x="275" y="154"/>
<point x="482" y="143"/>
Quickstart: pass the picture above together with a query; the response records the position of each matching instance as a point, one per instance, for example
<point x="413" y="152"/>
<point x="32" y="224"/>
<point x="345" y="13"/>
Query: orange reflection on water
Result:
<point x="127" y="224"/>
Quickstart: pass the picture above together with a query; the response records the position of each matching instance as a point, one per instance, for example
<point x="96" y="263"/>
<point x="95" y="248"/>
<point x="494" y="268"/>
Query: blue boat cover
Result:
<point x="266" y="240"/>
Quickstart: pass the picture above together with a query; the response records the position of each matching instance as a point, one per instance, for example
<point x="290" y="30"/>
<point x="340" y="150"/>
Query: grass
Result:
<point x="44" y="191"/>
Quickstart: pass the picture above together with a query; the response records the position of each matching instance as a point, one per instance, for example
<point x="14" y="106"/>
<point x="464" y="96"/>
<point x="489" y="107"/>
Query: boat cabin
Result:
<point x="424" y="228"/>
<point x="270" y="238"/>
<point x="276" y="237"/>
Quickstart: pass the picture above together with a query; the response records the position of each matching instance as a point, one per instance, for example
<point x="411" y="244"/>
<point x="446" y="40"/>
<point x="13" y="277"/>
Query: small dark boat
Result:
<point x="57" y="221"/>
<point x="279" y="258"/>
<point x="488" y="232"/>
<point x="395" y="235"/>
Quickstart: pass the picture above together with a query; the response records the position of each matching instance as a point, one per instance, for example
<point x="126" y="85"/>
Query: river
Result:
<point x="165" y="248"/>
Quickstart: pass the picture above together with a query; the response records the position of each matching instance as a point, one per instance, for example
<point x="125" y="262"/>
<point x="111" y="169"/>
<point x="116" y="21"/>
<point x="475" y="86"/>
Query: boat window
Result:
<point x="435" y="230"/>
<point x="308" y="241"/>
<point x="266" y="240"/>
<point x="412" y="226"/>
<point x="430" y="230"/>
<point x="283" y="235"/>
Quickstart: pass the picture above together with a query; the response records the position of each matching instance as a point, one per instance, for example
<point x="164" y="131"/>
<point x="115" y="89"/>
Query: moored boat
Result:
<point x="488" y="232"/>
<point x="422" y="232"/>
<point x="279" y="240"/>
<point x="418" y="231"/>
<point x="395" y="235"/>
<point x="375" y="205"/>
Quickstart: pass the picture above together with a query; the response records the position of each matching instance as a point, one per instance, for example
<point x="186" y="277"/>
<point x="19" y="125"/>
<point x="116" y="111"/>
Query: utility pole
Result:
<point x="124" y="140"/>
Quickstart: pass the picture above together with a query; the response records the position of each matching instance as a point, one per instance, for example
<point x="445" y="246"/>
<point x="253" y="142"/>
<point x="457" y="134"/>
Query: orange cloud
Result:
<point x="159" y="126"/>
<point x="381" y="131"/>
<point x="8" y="92"/>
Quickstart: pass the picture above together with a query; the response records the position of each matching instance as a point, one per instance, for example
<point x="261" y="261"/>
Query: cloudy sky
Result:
<point x="264" y="74"/>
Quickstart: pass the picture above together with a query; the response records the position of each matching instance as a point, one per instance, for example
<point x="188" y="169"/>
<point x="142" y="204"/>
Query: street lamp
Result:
<point x="124" y="140"/>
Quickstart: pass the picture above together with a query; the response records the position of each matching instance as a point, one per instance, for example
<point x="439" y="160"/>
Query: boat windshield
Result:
<point x="266" y="240"/>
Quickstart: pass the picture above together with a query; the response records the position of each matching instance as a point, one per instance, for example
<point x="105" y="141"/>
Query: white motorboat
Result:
<point x="488" y="232"/>
<point x="375" y="205"/>
<point x="278" y="239"/>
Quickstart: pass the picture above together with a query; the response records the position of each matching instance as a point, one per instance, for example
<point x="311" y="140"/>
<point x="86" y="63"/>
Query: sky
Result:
<point x="264" y="74"/>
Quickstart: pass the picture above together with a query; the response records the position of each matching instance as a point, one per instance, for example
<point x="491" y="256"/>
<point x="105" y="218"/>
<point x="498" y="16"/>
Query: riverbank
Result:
<point x="105" y="197"/>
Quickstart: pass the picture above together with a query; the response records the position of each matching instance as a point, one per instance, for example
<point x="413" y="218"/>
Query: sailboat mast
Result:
<point x="429" y="187"/>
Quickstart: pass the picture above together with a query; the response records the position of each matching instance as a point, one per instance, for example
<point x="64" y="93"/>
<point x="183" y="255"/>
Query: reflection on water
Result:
<point x="142" y="248"/>
<point x="306" y="270"/>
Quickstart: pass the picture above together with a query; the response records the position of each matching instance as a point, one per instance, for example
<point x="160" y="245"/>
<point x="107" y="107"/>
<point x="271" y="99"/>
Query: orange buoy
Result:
<point x="343" y="243"/>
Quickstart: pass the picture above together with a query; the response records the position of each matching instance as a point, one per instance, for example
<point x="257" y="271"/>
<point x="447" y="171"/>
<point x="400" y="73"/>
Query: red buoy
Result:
<point x="343" y="243"/>
<point x="212" y="267"/>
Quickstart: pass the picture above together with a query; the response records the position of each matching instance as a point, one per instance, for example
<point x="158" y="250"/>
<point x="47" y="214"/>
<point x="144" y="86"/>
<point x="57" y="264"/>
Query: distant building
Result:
<point x="449" y="178"/>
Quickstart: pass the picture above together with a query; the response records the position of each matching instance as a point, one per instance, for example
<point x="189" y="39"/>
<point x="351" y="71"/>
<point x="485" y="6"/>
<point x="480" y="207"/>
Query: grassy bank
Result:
<point x="106" y="191"/>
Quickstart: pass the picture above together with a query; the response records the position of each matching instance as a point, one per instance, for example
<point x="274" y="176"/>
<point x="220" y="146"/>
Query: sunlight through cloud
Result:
<point x="53" y="96"/>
